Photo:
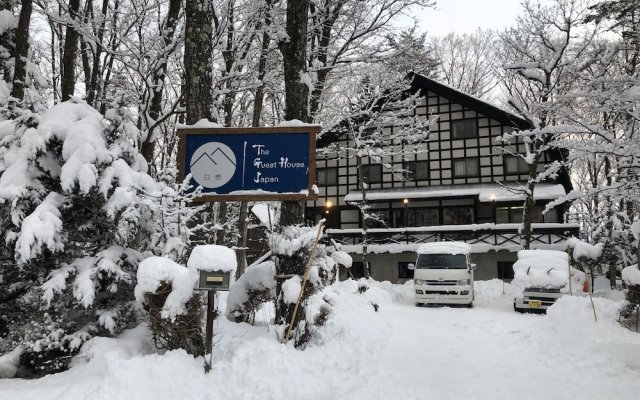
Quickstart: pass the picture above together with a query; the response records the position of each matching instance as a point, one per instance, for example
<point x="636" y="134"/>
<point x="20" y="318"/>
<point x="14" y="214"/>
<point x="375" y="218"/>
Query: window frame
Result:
<point x="378" y="167"/>
<point x="412" y="172"/>
<point x="521" y="166"/>
<point x="464" y="134"/>
<point x="466" y="161"/>
<point x="326" y="174"/>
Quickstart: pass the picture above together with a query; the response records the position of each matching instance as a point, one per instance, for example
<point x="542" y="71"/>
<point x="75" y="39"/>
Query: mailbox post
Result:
<point x="214" y="265"/>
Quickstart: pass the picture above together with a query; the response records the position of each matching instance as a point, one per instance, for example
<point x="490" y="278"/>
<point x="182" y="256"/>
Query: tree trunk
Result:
<point x="294" y="57"/>
<point x="68" y="79"/>
<point x="22" y="50"/>
<point x="198" y="51"/>
<point x="529" y="206"/>
<point x="363" y="212"/>
<point x="96" y="72"/>
<point x="262" y="68"/>
<point x="168" y="31"/>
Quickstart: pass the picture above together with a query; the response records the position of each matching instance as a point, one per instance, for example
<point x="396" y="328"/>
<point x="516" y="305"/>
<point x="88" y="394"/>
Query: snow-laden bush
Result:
<point x="290" y="246"/>
<point x="174" y="310"/>
<point x="76" y="208"/>
<point x="255" y="287"/>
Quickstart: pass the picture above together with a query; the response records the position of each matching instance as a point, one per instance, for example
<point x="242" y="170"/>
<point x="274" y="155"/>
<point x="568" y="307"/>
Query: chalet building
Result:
<point x="455" y="187"/>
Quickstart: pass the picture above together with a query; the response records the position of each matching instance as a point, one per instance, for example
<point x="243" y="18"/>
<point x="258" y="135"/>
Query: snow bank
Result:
<point x="631" y="275"/>
<point x="584" y="249"/>
<point x="9" y="363"/>
<point x="545" y="268"/>
<point x="445" y="248"/>
<point x="155" y="270"/>
<point x="574" y="327"/>
<point x="293" y="123"/>
<point x="212" y="257"/>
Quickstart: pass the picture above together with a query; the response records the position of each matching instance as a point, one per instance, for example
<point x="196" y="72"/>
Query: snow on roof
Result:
<point x="445" y="248"/>
<point x="212" y="257"/>
<point x="153" y="271"/>
<point x="486" y="192"/>
<point x="544" y="268"/>
<point x="631" y="275"/>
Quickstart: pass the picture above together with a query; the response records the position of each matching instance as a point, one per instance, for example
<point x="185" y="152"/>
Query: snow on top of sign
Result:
<point x="631" y="275"/>
<point x="445" y="248"/>
<point x="342" y="258"/>
<point x="293" y="122"/>
<point x="485" y="192"/>
<point x="259" y="192"/>
<point x="203" y="123"/>
<point x="544" y="268"/>
<point x="212" y="257"/>
<point x="584" y="249"/>
<point x="155" y="270"/>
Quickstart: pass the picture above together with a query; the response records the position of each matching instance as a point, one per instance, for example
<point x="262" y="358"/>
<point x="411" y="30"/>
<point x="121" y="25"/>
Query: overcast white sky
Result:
<point x="467" y="15"/>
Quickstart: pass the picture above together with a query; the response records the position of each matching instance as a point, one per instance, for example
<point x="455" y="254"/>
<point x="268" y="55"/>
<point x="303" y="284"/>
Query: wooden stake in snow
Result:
<point x="304" y="281"/>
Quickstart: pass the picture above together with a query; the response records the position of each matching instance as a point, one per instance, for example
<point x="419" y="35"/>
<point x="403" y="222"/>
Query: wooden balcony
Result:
<point x="481" y="236"/>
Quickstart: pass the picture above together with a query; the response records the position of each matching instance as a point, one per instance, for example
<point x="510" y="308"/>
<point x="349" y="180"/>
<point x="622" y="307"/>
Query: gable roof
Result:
<point x="421" y="82"/>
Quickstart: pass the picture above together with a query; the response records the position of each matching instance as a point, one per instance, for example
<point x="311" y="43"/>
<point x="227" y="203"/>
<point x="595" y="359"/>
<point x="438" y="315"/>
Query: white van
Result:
<point x="443" y="274"/>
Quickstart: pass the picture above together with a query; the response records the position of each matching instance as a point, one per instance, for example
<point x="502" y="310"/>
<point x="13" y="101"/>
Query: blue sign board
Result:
<point x="256" y="163"/>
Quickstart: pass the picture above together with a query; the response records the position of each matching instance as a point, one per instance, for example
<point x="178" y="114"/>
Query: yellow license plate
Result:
<point x="535" y="303"/>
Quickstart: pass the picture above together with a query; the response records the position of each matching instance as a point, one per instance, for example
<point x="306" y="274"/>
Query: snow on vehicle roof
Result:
<point x="543" y="268"/>
<point x="211" y="257"/>
<point x="444" y="248"/>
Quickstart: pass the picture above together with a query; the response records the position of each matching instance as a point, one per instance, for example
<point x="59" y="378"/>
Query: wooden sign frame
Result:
<point x="311" y="130"/>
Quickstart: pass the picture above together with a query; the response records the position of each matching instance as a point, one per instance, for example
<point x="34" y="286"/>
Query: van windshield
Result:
<point x="441" y="261"/>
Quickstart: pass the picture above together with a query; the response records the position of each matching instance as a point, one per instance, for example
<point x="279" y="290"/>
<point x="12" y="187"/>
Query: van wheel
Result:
<point x="418" y="304"/>
<point x="470" y="305"/>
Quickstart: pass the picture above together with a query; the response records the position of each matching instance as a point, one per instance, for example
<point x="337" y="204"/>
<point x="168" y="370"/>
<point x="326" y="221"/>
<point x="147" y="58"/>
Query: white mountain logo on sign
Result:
<point x="213" y="165"/>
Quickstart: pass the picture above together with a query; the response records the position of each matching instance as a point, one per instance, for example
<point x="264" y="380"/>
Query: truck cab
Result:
<point x="443" y="274"/>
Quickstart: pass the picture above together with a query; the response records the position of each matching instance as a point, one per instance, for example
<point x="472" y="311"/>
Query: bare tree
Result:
<point x="467" y="61"/>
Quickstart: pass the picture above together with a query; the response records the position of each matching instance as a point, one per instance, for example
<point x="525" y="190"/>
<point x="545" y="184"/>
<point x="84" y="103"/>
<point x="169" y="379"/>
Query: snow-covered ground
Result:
<point x="398" y="352"/>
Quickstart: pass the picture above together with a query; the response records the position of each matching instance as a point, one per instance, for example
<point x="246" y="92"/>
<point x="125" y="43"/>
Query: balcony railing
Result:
<point x="493" y="235"/>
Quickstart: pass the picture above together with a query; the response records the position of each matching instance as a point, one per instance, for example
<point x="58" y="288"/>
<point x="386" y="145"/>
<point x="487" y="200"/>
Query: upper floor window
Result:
<point x="464" y="129"/>
<point x="466" y="167"/>
<point x="327" y="176"/>
<point x="417" y="170"/>
<point x="371" y="173"/>
<point x="515" y="165"/>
